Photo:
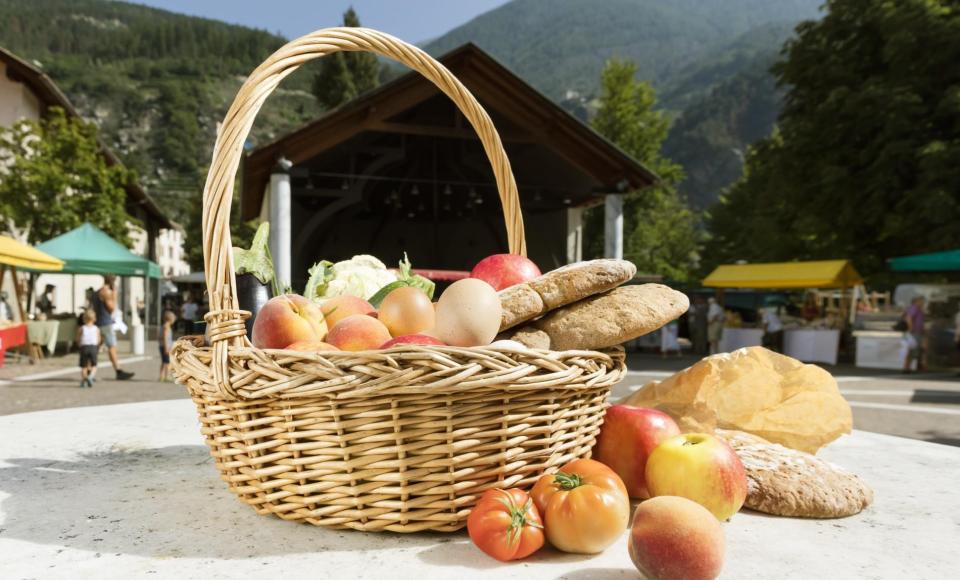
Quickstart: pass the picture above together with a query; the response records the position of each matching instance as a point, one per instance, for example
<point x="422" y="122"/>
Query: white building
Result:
<point x="26" y="92"/>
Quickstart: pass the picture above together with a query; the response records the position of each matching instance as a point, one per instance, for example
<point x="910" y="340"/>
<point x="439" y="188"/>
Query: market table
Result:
<point x="124" y="491"/>
<point x="812" y="344"/>
<point x="11" y="336"/>
<point x="879" y="349"/>
<point x="43" y="333"/>
<point x="735" y="338"/>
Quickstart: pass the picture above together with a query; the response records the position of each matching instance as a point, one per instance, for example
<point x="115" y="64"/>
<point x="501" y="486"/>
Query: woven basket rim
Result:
<point x="395" y="364"/>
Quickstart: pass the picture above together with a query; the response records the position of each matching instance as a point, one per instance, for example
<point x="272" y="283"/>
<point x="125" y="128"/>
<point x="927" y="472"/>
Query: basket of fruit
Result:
<point x="338" y="414"/>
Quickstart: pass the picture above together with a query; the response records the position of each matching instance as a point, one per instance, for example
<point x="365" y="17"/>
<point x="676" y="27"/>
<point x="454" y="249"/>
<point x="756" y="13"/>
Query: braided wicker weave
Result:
<point x="404" y="439"/>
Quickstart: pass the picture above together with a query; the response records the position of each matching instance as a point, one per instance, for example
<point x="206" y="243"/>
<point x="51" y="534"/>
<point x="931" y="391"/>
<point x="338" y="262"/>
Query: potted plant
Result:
<point x="256" y="279"/>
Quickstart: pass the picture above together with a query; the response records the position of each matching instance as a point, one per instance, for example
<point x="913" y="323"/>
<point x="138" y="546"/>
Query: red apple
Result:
<point x="287" y="319"/>
<point x="505" y="270"/>
<point x="628" y="437"/>
<point x="699" y="467"/>
<point x="673" y="538"/>
<point x="421" y="339"/>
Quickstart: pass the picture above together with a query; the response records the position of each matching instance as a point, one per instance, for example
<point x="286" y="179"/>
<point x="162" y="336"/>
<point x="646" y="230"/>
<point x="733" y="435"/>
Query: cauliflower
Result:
<point x="360" y="276"/>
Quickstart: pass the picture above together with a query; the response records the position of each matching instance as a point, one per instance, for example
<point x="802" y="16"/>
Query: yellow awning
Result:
<point x="820" y="274"/>
<point x="13" y="253"/>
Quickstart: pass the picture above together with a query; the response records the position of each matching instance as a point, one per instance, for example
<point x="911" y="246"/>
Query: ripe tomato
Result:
<point x="506" y="525"/>
<point x="585" y="506"/>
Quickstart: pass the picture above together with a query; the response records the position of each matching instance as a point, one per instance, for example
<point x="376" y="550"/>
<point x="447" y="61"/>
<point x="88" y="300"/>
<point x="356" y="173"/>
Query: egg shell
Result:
<point x="468" y="314"/>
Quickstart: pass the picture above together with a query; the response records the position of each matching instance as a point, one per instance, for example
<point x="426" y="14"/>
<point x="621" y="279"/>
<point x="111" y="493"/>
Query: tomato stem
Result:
<point x="518" y="517"/>
<point x="567" y="481"/>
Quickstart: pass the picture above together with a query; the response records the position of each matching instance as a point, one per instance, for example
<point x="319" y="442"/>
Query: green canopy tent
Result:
<point x="948" y="261"/>
<point x="88" y="250"/>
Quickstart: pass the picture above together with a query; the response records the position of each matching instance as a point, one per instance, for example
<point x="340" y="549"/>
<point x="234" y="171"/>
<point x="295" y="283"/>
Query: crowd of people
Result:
<point x="101" y="319"/>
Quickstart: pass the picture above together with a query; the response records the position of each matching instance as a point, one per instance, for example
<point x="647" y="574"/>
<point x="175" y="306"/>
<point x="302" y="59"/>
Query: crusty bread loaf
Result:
<point x="560" y="287"/>
<point x="529" y="336"/>
<point x="519" y="303"/>
<point x="605" y="320"/>
<point x="787" y="482"/>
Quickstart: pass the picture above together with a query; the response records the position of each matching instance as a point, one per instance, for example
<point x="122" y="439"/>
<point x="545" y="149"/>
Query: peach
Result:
<point x="358" y="332"/>
<point x="311" y="346"/>
<point x="340" y="307"/>
<point x="287" y="319"/>
<point x="674" y="538"/>
<point x="421" y="339"/>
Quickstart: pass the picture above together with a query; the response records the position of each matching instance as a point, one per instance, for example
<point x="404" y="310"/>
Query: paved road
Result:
<point x="923" y="407"/>
<point x="56" y="386"/>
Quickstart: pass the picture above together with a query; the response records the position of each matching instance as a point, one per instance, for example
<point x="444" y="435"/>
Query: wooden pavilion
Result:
<point x="399" y="170"/>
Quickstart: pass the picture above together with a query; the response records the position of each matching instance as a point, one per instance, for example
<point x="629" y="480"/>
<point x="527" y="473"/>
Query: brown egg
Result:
<point x="407" y="310"/>
<point x="468" y="314"/>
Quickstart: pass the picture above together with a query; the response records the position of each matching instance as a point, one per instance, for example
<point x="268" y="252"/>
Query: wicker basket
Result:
<point x="402" y="439"/>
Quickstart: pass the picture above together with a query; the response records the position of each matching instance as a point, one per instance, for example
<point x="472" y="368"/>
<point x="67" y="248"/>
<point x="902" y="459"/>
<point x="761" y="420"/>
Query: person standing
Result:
<point x="670" y="339"/>
<point x="6" y="312"/>
<point x="88" y="339"/>
<point x="772" y="329"/>
<point x="715" y="319"/>
<point x="697" y="319"/>
<point x="104" y="302"/>
<point x="915" y="336"/>
<point x="45" y="304"/>
<point x="811" y="310"/>
<point x="166" y="343"/>
<point x="188" y="312"/>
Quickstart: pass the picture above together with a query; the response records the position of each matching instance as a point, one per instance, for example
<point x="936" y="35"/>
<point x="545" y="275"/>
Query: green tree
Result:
<point x="865" y="162"/>
<point x="345" y="75"/>
<point x="660" y="232"/>
<point x="54" y="177"/>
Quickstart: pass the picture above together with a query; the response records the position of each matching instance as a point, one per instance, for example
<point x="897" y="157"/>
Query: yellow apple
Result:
<point x="699" y="467"/>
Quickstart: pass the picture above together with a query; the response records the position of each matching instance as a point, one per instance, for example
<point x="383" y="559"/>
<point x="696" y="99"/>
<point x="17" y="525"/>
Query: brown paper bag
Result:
<point x="754" y="390"/>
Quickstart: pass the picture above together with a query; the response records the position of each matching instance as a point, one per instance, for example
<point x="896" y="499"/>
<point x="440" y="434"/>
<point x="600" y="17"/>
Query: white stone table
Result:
<point x="129" y="491"/>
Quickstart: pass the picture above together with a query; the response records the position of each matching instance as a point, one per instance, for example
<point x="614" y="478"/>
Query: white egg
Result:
<point x="468" y="313"/>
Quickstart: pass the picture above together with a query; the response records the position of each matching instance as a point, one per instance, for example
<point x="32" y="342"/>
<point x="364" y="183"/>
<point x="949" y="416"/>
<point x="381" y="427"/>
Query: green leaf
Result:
<point x="256" y="260"/>
<point x="415" y="280"/>
<point x="377" y="298"/>
<point x="320" y="274"/>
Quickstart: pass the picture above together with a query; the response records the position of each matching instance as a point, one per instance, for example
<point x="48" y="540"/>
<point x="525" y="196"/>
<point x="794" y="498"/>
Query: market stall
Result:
<point x="88" y="250"/>
<point x="942" y="307"/>
<point x="948" y="261"/>
<point x="815" y="340"/>
<point x="13" y="255"/>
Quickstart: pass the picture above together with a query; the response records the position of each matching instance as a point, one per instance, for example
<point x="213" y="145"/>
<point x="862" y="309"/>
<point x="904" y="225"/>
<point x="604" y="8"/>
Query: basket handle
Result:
<point x="225" y="321"/>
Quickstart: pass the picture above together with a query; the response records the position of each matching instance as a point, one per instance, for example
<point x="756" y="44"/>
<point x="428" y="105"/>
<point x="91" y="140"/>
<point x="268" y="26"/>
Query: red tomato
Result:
<point x="585" y="506"/>
<point x="506" y="525"/>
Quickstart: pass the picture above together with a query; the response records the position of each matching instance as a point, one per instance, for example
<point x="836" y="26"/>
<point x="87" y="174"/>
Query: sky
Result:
<point x="411" y="20"/>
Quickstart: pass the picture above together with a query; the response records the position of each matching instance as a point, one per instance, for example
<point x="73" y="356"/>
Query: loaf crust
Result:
<point x="560" y="287"/>
<point x="787" y="482"/>
<point x="530" y="337"/>
<point x="519" y="304"/>
<point x="607" y="319"/>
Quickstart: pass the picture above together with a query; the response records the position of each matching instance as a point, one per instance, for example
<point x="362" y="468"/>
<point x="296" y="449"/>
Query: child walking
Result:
<point x="166" y="343"/>
<point x="88" y="337"/>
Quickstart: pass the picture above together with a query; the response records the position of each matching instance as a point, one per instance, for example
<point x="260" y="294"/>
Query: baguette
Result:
<point x="605" y="320"/>
<point x="560" y="287"/>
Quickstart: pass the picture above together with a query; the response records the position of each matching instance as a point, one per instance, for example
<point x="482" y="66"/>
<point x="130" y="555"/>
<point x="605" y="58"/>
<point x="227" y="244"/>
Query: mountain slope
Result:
<point x="708" y="59"/>
<point x="728" y="101"/>
<point x="561" y="45"/>
<point x="155" y="82"/>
